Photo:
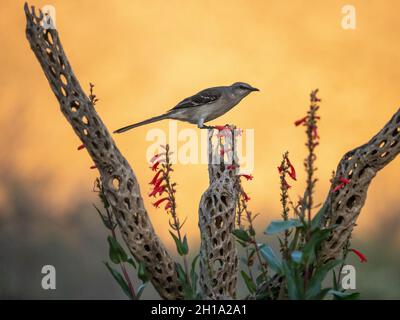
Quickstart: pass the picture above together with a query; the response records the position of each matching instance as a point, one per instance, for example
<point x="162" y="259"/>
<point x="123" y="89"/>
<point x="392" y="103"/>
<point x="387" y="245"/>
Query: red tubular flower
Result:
<point x="221" y="128"/>
<point x="157" y="189"/>
<point x="359" y="255"/>
<point x="247" y="176"/>
<point x="155" y="157"/>
<point x="168" y="205"/>
<point x="155" y="178"/>
<point x="93" y="167"/>
<point x="158" y="202"/>
<point x="286" y="185"/>
<point x="154" y="167"/>
<point x="231" y="167"/>
<point x="158" y="182"/>
<point x="82" y="146"/>
<point x="292" y="171"/>
<point x="280" y="169"/>
<point x="300" y="121"/>
<point x="245" y="196"/>
<point x="315" y="133"/>
<point x="345" y="181"/>
<point x="340" y="186"/>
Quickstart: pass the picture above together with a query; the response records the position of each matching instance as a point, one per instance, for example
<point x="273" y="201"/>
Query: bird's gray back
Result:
<point x="206" y="96"/>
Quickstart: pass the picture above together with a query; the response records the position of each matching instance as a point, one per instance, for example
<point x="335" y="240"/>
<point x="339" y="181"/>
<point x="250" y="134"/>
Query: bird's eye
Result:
<point x="242" y="87"/>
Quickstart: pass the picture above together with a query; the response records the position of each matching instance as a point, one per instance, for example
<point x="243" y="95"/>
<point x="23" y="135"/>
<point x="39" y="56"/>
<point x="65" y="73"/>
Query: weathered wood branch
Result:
<point x="119" y="182"/>
<point x="359" y="166"/>
<point x="217" y="210"/>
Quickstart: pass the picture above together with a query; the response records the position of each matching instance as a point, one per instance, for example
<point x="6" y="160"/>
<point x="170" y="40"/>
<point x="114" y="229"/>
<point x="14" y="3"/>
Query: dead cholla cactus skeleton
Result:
<point x="314" y="241"/>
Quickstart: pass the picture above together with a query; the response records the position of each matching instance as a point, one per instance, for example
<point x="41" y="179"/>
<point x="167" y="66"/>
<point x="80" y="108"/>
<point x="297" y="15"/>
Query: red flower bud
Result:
<point x="158" y="202"/>
<point x="82" y="146"/>
<point x="315" y="133"/>
<point x="359" y="255"/>
<point x="157" y="189"/>
<point x="247" y="176"/>
<point x="343" y="183"/>
<point x="245" y="196"/>
<point x="292" y="171"/>
<point x="286" y="185"/>
<point x="154" y="158"/>
<point x="154" y="167"/>
<point x="93" y="167"/>
<point x="300" y="121"/>
<point x="221" y="128"/>
<point x="168" y="205"/>
<point x="155" y="178"/>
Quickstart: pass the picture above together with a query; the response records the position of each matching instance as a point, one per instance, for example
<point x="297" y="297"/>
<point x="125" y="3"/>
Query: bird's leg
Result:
<point x="201" y="125"/>
<point x="207" y="127"/>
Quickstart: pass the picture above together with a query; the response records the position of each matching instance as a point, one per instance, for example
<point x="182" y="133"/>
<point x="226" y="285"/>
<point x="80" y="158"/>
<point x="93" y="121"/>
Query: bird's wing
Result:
<point x="206" y="96"/>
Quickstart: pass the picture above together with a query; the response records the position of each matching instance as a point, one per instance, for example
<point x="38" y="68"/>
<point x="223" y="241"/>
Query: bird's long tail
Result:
<point x="151" y="120"/>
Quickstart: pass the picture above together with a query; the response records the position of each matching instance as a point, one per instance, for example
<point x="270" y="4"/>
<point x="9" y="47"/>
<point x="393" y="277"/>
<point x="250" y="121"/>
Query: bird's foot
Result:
<point x="206" y="127"/>
<point x="219" y="128"/>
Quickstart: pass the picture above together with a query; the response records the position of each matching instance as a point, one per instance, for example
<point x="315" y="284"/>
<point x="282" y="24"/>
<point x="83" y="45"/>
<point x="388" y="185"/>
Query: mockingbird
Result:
<point x="204" y="106"/>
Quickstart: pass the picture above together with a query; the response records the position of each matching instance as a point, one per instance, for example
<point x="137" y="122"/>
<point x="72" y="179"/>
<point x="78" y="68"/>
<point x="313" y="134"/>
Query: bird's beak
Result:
<point x="254" y="89"/>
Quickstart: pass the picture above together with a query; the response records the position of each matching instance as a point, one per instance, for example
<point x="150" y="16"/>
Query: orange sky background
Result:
<point x="145" y="56"/>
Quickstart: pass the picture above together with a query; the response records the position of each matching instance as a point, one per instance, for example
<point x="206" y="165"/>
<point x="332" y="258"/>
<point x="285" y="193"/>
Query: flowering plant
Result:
<point x="298" y="273"/>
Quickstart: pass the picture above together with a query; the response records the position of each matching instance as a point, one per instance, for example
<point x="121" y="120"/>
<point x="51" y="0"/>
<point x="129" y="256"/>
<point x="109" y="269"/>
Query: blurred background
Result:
<point x="144" y="57"/>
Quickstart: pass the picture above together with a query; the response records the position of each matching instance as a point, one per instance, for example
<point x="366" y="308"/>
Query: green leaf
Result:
<point x="335" y="282"/>
<point x="116" y="252"/>
<point x="193" y="275"/>
<point x="185" y="245"/>
<point x="104" y="200"/>
<point x="293" y="244"/>
<point x="241" y="234"/>
<point x="182" y="248"/>
<point x="120" y="280"/>
<point x="140" y="290"/>
<point x="131" y="262"/>
<point x="316" y="221"/>
<point x="105" y="220"/>
<point x="314" y="286"/>
<point x="249" y="283"/>
<point x="282" y="225"/>
<point x="187" y="290"/>
<point x="142" y="273"/>
<point x="296" y="256"/>
<point x="292" y="280"/>
<point x="339" y="295"/>
<point x="273" y="261"/>
<point x="261" y="278"/>
<point x="321" y="295"/>
<point x="242" y="243"/>
<point x="310" y="248"/>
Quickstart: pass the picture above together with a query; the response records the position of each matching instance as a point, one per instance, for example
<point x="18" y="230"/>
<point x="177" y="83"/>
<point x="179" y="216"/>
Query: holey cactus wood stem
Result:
<point x="359" y="166"/>
<point x="218" y="256"/>
<point x="119" y="182"/>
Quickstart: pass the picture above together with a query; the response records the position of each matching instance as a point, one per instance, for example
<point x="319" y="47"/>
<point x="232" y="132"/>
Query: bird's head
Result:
<point x="242" y="89"/>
